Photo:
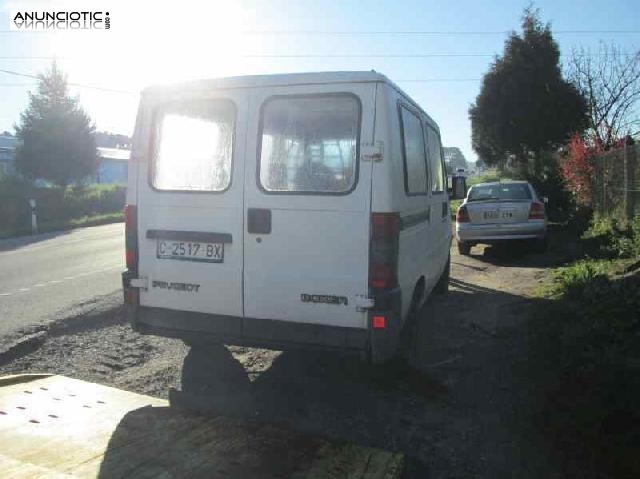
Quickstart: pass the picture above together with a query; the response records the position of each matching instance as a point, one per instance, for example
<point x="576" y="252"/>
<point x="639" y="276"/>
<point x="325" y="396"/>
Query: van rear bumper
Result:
<point x="251" y="332"/>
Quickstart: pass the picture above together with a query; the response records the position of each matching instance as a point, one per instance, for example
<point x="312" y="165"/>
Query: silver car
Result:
<point x="499" y="211"/>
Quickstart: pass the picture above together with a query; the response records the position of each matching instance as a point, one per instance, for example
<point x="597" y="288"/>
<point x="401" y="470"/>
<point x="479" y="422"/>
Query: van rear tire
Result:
<point x="442" y="286"/>
<point x="406" y="342"/>
<point x="464" y="248"/>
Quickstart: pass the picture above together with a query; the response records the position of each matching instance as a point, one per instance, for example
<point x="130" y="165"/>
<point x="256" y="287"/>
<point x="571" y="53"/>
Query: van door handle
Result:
<point x="259" y="221"/>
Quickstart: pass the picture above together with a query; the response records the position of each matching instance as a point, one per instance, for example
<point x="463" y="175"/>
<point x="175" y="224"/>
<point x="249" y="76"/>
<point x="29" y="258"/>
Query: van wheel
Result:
<point x="464" y="248"/>
<point x="406" y="343"/>
<point x="442" y="286"/>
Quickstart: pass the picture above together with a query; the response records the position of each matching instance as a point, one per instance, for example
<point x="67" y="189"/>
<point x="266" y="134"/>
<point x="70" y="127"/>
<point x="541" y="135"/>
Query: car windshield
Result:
<point x="500" y="192"/>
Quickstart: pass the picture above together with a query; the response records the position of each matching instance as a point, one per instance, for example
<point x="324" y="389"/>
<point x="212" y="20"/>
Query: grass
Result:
<point x="584" y="353"/>
<point x="84" y="221"/>
<point x="612" y="238"/>
<point x="96" y="220"/>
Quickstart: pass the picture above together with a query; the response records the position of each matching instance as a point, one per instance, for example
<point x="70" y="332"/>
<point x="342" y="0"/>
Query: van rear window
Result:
<point x="193" y="146"/>
<point x="309" y="144"/>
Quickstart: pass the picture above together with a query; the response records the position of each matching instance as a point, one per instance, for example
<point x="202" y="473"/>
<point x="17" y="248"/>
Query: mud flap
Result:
<point x="384" y="342"/>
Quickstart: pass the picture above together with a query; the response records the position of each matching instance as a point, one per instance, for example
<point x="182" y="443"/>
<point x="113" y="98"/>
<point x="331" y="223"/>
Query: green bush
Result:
<point x="573" y="280"/>
<point x="54" y="206"/>
<point x="607" y="237"/>
<point x="586" y="346"/>
<point x="14" y="206"/>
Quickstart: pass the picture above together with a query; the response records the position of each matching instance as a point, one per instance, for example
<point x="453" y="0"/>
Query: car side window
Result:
<point x="413" y="152"/>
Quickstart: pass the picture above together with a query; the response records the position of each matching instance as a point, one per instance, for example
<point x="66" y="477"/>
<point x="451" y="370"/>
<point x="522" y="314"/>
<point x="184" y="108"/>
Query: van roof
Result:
<point x="253" y="81"/>
<point x="281" y="79"/>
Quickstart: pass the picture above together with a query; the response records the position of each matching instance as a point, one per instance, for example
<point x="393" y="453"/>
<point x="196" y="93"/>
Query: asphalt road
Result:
<point x="52" y="276"/>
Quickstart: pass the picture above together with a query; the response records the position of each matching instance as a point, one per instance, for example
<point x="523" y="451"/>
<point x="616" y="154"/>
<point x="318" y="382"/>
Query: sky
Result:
<point x="158" y="42"/>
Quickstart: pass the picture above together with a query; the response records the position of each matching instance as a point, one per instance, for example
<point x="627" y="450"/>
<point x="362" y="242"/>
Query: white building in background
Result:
<point x="114" y="164"/>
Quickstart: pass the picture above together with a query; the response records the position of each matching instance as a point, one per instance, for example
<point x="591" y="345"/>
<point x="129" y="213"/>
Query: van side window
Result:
<point x="193" y="146"/>
<point x="413" y="151"/>
<point x="309" y="144"/>
<point x="435" y="161"/>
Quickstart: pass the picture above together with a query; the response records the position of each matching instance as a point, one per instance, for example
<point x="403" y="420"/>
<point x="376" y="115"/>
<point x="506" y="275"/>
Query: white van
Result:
<point x="285" y="210"/>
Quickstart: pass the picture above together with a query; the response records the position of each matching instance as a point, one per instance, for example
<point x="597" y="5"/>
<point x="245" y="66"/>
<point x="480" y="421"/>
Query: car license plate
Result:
<point x="490" y="215"/>
<point x="190" y="251"/>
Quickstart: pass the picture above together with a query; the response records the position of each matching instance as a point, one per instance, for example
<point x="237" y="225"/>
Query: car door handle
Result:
<point x="259" y="221"/>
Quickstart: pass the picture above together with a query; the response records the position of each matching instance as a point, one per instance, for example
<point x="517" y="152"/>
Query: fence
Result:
<point x="616" y="183"/>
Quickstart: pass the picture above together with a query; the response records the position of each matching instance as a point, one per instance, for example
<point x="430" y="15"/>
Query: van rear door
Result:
<point x="308" y="204"/>
<point x="190" y="205"/>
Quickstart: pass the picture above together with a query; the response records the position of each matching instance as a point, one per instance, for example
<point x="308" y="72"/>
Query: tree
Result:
<point x="57" y="135"/>
<point x="578" y="169"/>
<point x="106" y="139"/>
<point x="610" y="82"/>
<point x="525" y="107"/>
<point x="454" y="158"/>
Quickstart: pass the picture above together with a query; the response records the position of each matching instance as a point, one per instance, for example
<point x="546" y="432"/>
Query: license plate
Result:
<point x="490" y="215"/>
<point x="190" y="251"/>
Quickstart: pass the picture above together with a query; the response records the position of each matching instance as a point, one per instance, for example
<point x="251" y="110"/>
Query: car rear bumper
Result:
<point x="531" y="229"/>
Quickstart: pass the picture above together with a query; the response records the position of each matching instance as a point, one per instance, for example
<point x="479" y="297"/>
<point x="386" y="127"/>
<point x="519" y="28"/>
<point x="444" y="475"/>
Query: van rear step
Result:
<point x="58" y="426"/>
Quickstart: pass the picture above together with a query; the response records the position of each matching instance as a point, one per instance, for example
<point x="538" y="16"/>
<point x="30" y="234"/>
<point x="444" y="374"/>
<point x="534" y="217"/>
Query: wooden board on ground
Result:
<point x="53" y="426"/>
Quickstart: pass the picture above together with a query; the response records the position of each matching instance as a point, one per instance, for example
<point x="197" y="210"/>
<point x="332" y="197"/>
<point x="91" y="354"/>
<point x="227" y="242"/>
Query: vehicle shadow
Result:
<point x="392" y="407"/>
<point x="170" y="442"/>
<point x="520" y="254"/>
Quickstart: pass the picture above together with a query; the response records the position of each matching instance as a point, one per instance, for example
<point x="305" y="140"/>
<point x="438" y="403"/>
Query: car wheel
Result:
<point x="442" y="287"/>
<point x="464" y="248"/>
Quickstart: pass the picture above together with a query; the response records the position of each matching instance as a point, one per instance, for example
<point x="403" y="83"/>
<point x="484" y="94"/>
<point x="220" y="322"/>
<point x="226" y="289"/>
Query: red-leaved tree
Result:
<point x="578" y="169"/>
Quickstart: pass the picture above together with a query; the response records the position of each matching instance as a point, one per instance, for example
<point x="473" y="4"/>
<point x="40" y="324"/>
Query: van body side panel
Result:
<point x="416" y="244"/>
<point x="385" y="173"/>
<point x="137" y="154"/>
<point x="173" y="221"/>
<point x="312" y="265"/>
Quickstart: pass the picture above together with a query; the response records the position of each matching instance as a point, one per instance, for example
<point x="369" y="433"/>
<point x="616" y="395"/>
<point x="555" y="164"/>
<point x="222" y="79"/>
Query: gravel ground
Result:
<point x="465" y="408"/>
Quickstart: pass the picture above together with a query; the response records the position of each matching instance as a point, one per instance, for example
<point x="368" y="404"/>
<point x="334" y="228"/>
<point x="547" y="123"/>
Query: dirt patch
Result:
<point x="463" y="410"/>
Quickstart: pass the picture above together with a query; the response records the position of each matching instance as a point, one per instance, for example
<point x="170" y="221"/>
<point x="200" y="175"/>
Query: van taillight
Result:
<point x="462" y="216"/>
<point x="383" y="265"/>
<point x="537" y="211"/>
<point x="131" y="237"/>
